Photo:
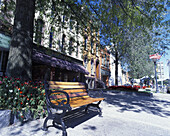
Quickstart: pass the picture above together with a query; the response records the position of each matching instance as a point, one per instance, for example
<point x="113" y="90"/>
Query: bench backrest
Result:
<point x="75" y="90"/>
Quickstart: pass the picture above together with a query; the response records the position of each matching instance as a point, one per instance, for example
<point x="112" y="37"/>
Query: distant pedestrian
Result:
<point x="132" y="81"/>
<point x="141" y="83"/>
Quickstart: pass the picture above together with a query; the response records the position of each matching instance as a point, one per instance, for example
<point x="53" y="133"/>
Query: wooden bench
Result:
<point x="64" y="97"/>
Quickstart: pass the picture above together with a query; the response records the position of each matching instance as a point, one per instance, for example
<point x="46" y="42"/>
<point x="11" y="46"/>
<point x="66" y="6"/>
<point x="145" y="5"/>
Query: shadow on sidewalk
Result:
<point x="73" y="119"/>
<point x="77" y="117"/>
<point x="126" y="101"/>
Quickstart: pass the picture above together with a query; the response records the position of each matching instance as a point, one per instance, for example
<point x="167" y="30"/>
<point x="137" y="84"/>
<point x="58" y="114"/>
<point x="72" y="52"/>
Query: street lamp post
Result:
<point x="154" y="60"/>
<point x="168" y="64"/>
<point x="155" y="57"/>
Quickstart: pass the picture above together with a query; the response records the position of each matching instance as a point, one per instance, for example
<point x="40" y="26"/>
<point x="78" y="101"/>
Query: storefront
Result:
<point x="62" y="67"/>
<point x="105" y="74"/>
<point x="4" y="51"/>
<point x="56" y="66"/>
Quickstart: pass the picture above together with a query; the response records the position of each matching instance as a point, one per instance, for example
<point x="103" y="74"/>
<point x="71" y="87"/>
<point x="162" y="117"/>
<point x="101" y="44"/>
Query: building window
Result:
<point x="77" y="28"/>
<point x="91" y="30"/>
<point x="85" y="42"/>
<point x="92" y="66"/>
<point x="77" y="51"/>
<point x="39" y="31"/>
<point x="102" y="60"/>
<point x="92" y="51"/>
<point x="96" y="33"/>
<point x="71" y="23"/>
<point x="97" y="49"/>
<point x="51" y="37"/>
<point x="63" y="42"/>
<point x="70" y="46"/>
<point x="105" y="60"/>
<point x="63" y="19"/>
<point x="85" y="62"/>
<point x="3" y="61"/>
<point x="107" y="64"/>
<point x="59" y="45"/>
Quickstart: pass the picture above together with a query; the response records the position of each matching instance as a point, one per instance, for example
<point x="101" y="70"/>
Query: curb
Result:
<point x="149" y="94"/>
<point x="5" y="116"/>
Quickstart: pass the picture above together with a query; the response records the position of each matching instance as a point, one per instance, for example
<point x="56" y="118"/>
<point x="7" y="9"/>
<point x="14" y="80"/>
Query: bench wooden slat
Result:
<point x="71" y="95"/>
<point x="71" y="99"/>
<point x="65" y="86"/>
<point x="75" y="90"/>
<point x="64" y="83"/>
<point x="81" y="102"/>
<point x="77" y="94"/>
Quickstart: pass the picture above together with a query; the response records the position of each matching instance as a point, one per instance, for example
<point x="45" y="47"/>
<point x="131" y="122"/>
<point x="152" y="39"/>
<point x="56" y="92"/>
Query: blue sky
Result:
<point x="165" y="57"/>
<point x="164" y="60"/>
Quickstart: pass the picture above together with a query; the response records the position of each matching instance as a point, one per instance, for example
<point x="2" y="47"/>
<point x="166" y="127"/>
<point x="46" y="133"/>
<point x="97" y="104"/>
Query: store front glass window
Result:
<point x="85" y="42"/>
<point x="92" y="65"/>
<point x="85" y="62"/>
<point x="3" y="61"/>
<point x="39" y="31"/>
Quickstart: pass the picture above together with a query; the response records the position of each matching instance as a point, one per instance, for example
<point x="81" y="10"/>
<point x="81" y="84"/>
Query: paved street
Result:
<point x="124" y="114"/>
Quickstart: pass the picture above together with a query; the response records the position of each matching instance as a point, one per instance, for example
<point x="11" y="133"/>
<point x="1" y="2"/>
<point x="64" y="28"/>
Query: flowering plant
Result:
<point x="22" y="97"/>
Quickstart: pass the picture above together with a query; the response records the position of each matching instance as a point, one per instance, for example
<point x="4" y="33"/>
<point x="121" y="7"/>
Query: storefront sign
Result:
<point x="57" y="54"/>
<point x="4" y="41"/>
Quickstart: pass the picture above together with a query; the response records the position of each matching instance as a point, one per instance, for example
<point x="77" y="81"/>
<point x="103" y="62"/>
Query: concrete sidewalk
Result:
<point x="123" y="115"/>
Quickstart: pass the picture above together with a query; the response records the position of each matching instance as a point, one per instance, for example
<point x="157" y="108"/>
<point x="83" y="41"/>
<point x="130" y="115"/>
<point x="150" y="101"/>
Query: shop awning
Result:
<point x="42" y="58"/>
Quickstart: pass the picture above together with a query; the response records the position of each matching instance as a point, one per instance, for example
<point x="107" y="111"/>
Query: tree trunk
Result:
<point x="20" y="54"/>
<point x="116" y="68"/>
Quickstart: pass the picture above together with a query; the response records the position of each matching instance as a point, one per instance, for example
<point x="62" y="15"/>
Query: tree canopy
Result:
<point x="130" y="28"/>
<point x="127" y="26"/>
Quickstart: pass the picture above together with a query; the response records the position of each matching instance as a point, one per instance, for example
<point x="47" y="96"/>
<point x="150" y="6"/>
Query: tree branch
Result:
<point x="133" y="3"/>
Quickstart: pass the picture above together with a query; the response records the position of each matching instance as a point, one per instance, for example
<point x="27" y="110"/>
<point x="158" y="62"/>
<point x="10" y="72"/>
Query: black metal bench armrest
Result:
<point x="63" y="105"/>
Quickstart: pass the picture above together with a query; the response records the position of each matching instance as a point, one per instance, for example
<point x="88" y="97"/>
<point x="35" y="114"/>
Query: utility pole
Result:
<point x="168" y="64"/>
<point x="155" y="57"/>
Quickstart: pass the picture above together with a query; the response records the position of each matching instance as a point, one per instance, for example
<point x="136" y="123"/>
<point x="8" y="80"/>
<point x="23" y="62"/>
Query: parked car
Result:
<point x="168" y="88"/>
<point x="127" y="84"/>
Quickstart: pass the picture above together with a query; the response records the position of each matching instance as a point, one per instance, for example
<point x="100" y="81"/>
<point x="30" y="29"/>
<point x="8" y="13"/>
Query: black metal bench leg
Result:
<point x="97" y="105"/>
<point x="99" y="109"/>
<point x="45" y="124"/>
<point x="86" y="109"/>
<point x="94" y="105"/>
<point x="63" y="127"/>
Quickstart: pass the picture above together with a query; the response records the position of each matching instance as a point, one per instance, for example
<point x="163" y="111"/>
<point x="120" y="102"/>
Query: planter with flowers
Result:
<point x="22" y="97"/>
